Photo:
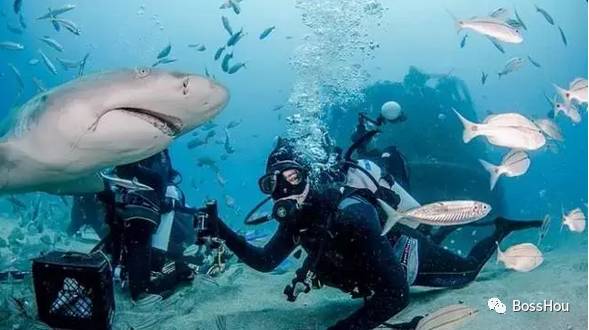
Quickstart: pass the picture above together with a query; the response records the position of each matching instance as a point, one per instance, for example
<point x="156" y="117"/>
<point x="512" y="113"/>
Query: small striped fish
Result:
<point x="449" y="213"/>
<point x="450" y="317"/>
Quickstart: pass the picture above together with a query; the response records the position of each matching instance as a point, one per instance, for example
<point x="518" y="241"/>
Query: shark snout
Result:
<point x="219" y="96"/>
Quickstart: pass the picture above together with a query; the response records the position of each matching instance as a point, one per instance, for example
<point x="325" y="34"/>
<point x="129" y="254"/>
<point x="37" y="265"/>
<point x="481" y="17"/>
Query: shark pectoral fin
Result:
<point x="392" y="216"/>
<point x="85" y="185"/>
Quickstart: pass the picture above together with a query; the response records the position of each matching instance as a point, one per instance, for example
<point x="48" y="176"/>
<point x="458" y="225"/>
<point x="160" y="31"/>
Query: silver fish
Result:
<point x="83" y="65"/>
<point x="510" y="130"/>
<point x="228" y="147"/>
<point x="68" y="64"/>
<point x="165" y="52"/>
<point x="56" y="12"/>
<point x="544" y="229"/>
<point x="512" y="65"/>
<point x="164" y="61"/>
<point x="534" y="63"/>
<point x="55" y="25"/>
<point x="198" y="47"/>
<point x="521" y="257"/>
<point x="267" y="32"/>
<point x="500" y="13"/>
<point x="67" y="24"/>
<point x="515" y="163"/>
<point x="235" y="38"/>
<point x="235" y="68"/>
<point x="52" y="43"/>
<point x="10" y="45"/>
<point x="549" y="128"/>
<point x="491" y="27"/>
<point x="484" y="77"/>
<point x="219" y="52"/>
<point x="497" y="45"/>
<point x="48" y="62"/>
<point x="546" y="15"/>
<point x="447" y="318"/>
<point x="234" y="123"/>
<point x="133" y="185"/>
<point x="463" y="41"/>
<point x="563" y="36"/>
<point x="448" y="213"/>
<point x="225" y="62"/>
<point x="226" y="25"/>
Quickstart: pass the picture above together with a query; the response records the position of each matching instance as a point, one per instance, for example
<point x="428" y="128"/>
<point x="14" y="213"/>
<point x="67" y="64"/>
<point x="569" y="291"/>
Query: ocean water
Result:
<point x="326" y="61"/>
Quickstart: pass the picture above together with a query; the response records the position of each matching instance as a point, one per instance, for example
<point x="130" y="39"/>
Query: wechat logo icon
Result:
<point x="496" y="305"/>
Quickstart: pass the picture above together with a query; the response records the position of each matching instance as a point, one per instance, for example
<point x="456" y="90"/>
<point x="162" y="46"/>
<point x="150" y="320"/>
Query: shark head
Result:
<point x="104" y="120"/>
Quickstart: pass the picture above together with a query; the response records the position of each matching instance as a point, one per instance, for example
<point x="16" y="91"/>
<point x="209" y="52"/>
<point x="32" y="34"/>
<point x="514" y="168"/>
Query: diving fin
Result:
<point x="392" y="216"/>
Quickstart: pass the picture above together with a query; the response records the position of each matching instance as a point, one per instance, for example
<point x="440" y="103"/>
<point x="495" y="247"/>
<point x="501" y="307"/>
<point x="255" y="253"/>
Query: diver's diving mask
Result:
<point x="286" y="183"/>
<point x="284" y="178"/>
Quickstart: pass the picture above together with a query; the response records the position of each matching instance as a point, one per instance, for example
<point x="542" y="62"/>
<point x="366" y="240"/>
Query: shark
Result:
<point x="60" y="140"/>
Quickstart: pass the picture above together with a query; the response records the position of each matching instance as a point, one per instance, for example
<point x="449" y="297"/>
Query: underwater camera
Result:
<point x="74" y="290"/>
<point x="202" y="219"/>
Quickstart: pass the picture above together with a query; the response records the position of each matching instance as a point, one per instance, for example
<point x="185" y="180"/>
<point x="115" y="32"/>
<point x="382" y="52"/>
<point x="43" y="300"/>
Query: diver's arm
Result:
<point x="386" y="276"/>
<point x="263" y="259"/>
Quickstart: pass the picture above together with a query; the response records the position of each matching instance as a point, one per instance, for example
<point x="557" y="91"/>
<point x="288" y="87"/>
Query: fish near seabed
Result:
<point x="447" y="318"/>
<point x="510" y="130"/>
<point x="447" y="213"/>
<point x="523" y="257"/>
<point x="515" y="163"/>
<point x="575" y="220"/>
<point x="57" y="144"/>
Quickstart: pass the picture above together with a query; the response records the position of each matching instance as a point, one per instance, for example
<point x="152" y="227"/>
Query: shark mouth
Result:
<point x="169" y="125"/>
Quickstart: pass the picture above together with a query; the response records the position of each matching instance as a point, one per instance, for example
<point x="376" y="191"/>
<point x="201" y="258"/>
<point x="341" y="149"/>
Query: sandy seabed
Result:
<point x="255" y="301"/>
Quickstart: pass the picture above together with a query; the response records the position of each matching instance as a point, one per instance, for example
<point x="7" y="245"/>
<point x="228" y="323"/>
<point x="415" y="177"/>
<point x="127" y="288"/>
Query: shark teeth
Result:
<point x="167" y="124"/>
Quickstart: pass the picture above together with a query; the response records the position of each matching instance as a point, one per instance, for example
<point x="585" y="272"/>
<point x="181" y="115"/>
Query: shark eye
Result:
<point x="142" y="72"/>
<point x="186" y="82"/>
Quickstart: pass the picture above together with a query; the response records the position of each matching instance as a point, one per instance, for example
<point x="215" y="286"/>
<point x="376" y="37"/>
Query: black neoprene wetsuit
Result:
<point x="355" y="256"/>
<point x="134" y="216"/>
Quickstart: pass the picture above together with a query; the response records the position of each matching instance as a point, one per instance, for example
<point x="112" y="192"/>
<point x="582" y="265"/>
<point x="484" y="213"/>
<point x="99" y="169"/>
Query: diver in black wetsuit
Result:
<point x="341" y="233"/>
<point x="135" y="215"/>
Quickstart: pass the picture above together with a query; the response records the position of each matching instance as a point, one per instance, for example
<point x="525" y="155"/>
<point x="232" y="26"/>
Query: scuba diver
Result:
<point x="141" y="222"/>
<point x="339" y="226"/>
